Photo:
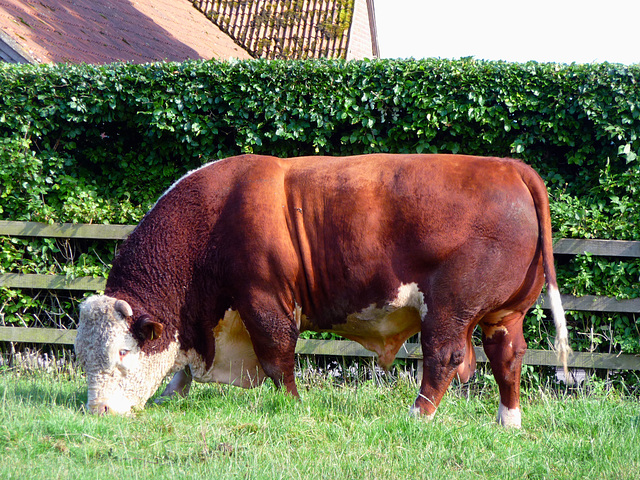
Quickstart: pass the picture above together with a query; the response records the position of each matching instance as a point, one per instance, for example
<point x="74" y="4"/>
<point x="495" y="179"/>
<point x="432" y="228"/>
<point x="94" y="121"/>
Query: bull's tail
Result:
<point x="541" y="200"/>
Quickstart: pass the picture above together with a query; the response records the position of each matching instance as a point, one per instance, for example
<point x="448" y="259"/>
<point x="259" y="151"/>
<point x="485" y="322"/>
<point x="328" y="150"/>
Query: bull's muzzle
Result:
<point x="99" y="408"/>
<point x="103" y="407"/>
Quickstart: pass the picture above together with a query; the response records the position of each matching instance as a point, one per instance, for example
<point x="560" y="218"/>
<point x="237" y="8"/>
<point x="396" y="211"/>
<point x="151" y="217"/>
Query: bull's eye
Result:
<point x="123" y="353"/>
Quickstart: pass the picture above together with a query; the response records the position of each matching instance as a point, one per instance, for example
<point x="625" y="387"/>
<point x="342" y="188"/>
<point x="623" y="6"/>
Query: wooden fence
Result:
<point x="609" y="248"/>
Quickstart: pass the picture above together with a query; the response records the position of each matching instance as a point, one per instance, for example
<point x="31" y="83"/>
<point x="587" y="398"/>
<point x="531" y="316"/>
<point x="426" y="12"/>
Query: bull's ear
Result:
<point x="148" y="329"/>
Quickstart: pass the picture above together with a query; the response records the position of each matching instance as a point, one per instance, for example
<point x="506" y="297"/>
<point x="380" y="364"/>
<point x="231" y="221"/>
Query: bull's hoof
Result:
<point x="415" y="412"/>
<point x="509" y="417"/>
<point x="162" y="399"/>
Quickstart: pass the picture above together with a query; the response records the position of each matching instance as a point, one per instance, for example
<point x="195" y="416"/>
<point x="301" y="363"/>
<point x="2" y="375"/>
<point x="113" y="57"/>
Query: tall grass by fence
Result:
<point x="608" y="248"/>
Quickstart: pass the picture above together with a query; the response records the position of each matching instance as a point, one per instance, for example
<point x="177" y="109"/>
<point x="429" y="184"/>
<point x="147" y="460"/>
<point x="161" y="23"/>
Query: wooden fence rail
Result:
<point x="609" y="248"/>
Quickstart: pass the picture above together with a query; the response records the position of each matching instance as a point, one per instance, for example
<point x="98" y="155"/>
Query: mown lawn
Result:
<point x="361" y="431"/>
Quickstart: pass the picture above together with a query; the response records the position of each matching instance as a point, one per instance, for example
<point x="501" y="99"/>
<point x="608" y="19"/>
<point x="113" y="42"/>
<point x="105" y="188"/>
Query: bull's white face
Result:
<point x="120" y="375"/>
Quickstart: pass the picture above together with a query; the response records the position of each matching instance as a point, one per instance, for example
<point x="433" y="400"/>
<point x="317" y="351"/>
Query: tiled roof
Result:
<point x="284" y="28"/>
<point x="104" y="31"/>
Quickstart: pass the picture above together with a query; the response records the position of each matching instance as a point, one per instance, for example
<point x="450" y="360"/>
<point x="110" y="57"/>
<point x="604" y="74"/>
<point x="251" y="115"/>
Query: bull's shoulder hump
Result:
<point x="226" y="171"/>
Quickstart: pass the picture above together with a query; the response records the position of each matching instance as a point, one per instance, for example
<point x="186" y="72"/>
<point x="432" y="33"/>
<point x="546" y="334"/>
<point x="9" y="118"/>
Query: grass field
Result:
<point x="361" y="431"/>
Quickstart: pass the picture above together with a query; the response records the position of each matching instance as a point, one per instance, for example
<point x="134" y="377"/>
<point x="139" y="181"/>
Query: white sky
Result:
<point x="562" y="31"/>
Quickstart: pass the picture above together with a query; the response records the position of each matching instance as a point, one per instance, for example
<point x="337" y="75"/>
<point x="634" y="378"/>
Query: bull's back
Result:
<point x="363" y="226"/>
<point x="375" y="202"/>
<point x="440" y="193"/>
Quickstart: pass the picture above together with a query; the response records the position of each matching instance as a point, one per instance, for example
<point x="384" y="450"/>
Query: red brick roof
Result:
<point x="104" y="31"/>
<point x="290" y="28"/>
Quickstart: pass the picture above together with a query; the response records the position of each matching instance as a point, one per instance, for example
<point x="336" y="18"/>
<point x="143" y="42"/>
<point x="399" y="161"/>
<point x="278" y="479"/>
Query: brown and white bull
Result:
<point x="240" y="256"/>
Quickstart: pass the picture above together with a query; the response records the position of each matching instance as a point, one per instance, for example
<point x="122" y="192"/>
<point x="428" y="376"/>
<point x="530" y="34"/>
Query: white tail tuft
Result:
<point x="562" y="335"/>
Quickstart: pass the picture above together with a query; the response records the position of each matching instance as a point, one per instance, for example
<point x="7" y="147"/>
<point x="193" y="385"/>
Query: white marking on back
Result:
<point x="191" y="172"/>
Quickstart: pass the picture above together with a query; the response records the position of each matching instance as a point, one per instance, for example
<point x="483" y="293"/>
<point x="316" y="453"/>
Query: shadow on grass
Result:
<point x="39" y="392"/>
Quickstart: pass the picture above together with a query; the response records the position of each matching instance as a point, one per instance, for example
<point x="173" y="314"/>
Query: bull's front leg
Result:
<point x="180" y="384"/>
<point x="274" y="335"/>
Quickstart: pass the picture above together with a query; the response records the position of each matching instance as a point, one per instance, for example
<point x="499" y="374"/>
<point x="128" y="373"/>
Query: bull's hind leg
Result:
<point x="505" y="346"/>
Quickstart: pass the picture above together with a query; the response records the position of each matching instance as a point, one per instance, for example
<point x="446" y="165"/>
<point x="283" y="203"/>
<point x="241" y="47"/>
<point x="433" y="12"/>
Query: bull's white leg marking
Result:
<point x="491" y="321"/>
<point x="235" y="361"/>
<point x="509" y="417"/>
<point x="415" y="411"/>
<point x="490" y="331"/>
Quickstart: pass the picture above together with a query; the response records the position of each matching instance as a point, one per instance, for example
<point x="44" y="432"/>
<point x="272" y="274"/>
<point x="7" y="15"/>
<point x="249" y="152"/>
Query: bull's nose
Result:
<point x="100" y="408"/>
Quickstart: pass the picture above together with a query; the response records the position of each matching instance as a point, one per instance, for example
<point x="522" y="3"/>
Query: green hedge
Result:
<point x="100" y="143"/>
<point x="122" y="133"/>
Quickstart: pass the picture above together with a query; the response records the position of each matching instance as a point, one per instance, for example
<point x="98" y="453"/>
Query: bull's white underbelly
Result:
<point x="235" y="361"/>
<point x="382" y="330"/>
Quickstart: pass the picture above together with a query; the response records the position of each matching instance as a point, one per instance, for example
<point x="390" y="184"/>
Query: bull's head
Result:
<point x="110" y="345"/>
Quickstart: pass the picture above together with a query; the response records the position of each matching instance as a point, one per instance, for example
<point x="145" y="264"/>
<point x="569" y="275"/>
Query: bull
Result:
<point x="239" y="257"/>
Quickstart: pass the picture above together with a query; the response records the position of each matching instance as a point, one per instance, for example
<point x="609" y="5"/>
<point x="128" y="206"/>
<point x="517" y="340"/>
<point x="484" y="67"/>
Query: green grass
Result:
<point x="360" y="431"/>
